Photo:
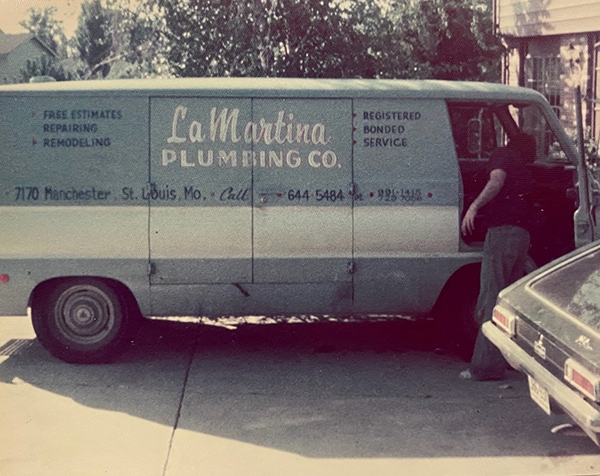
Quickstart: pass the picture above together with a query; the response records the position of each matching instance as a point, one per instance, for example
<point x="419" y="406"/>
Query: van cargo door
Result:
<point x="200" y="191"/>
<point x="406" y="209"/>
<point x="302" y="182"/>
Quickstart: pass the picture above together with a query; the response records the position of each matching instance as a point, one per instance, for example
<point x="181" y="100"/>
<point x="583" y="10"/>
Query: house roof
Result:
<point x="10" y="42"/>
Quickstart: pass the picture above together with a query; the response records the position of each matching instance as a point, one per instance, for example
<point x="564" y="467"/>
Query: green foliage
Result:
<point x="46" y="66"/>
<point x="47" y="29"/>
<point x="93" y="38"/>
<point x="450" y="39"/>
<point x="123" y="34"/>
<point x="442" y="39"/>
<point x="321" y="38"/>
<point x="304" y="38"/>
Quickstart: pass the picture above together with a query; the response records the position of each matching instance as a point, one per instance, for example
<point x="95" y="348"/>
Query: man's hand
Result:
<point x="491" y="189"/>
<point x="468" y="222"/>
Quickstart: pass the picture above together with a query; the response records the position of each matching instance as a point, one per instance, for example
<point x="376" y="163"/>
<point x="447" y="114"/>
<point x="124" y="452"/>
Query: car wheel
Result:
<point x="81" y="320"/>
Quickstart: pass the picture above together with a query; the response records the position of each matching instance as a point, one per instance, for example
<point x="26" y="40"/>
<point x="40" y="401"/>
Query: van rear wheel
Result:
<point x="81" y="320"/>
<point x="454" y="314"/>
<point x="467" y="323"/>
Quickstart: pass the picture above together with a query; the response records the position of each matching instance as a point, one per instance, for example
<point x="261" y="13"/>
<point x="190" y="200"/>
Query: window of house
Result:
<point x="542" y="73"/>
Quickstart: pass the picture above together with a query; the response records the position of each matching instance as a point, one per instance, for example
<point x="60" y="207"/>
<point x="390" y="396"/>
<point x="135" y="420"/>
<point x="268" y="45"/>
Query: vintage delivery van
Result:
<point x="207" y="197"/>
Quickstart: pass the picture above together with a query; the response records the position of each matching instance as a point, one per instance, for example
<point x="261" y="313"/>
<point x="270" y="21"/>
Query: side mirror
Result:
<point x="474" y="136"/>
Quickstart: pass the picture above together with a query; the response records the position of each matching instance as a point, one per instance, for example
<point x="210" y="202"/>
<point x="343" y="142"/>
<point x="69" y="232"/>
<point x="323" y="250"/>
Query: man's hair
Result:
<point x="525" y="145"/>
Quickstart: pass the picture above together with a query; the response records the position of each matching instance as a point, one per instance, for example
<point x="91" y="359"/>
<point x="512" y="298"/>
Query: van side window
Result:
<point x="476" y="131"/>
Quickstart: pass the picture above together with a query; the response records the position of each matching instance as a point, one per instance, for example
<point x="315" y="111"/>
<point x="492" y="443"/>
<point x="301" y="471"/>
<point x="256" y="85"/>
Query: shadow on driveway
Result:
<point x="323" y="390"/>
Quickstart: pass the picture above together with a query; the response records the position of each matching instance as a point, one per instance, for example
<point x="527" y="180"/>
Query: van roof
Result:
<point x="286" y="87"/>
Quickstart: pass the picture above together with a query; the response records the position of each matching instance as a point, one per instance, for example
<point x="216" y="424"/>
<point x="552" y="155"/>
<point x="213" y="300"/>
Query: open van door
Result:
<point x="587" y="226"/>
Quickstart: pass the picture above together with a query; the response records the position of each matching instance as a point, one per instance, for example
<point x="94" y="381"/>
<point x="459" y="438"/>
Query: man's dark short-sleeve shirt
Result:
<point x="512" y="205"/>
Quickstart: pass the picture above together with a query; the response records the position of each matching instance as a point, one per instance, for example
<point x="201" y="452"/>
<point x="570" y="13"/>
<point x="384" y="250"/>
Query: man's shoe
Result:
<point x="465" y="375"/>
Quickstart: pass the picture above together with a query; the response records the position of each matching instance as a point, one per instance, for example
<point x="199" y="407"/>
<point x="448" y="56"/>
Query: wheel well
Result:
<point x="128" y="299"/>
<point x="463" y="282"/>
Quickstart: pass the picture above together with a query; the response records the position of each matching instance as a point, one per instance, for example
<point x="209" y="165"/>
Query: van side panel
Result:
<point x="200" y="208"/>
<point x="406" y="210"/>
<point x="302" y="201"/>
<point x="252" y="196"/>
<point x="71" y="160"/>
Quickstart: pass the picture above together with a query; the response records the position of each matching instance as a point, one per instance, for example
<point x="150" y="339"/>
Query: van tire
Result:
<point x="454" y="314"/>
<point x="81" y="320"/>
<point x="468" y="324"/>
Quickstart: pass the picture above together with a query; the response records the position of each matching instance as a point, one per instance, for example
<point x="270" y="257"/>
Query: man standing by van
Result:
<point x="506" y="198"/>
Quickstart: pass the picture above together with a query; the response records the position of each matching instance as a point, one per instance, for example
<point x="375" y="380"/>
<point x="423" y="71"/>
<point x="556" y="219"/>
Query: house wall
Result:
<point x="573" y="55"/>
<point x="12" y="63"/>
<point x="551" y="47"/>
<point x="526" y="18"/>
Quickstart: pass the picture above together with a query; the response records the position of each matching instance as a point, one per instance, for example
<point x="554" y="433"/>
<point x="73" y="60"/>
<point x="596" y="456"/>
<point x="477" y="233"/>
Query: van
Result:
<point x="178" y="199"/>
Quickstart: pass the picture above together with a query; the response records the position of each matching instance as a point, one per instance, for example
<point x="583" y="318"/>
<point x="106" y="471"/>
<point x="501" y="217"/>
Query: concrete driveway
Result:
<point x="305" y="399"/>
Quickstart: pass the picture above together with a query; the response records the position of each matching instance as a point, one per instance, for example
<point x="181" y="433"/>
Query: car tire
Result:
<point x="82" y="320"/>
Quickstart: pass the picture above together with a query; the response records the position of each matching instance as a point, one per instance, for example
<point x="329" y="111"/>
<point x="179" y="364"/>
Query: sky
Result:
<point x="14" y="11"/>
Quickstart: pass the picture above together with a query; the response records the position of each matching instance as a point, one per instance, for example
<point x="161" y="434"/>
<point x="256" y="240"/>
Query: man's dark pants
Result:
<point x="504" y="256"/>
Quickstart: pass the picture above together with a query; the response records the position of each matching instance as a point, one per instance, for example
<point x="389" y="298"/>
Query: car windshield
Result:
<point x="575" y="288"/>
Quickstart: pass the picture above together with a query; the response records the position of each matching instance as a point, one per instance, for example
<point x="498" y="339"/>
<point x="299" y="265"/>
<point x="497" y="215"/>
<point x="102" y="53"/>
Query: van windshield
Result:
<point x="533" y="122"/>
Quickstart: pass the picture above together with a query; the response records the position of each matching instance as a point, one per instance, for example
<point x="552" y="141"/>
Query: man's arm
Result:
<point x="491" y="189"/>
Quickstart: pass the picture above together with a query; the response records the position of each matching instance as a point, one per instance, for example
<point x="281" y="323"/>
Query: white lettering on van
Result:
<point x="224" y="127"/>
<point x="327" y="159"/>
<point x="281" y="158"/>
<point x="168" y="156"/>
<point x="195" y="132"/>
<point x="222" y="123"/>
<point x="293" y="159"/>
<point x="227" y="158"/>
<point x="208" y="161"/>
<point x="318" y="135"/>
<point x="184" y="162"/>
<point x="180" y="111"/>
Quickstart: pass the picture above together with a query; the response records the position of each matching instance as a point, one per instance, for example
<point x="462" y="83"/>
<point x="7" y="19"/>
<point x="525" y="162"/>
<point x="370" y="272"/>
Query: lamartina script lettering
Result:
<point x="224" y="126"/>
<point x="279" y="137"/>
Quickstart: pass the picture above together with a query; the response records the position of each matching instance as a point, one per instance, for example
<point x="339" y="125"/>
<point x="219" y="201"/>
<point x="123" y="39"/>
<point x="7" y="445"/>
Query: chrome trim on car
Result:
<point x="586" y="415"/>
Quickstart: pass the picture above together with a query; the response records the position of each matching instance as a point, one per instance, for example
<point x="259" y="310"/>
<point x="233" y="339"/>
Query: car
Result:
<point x="547" y="326"/>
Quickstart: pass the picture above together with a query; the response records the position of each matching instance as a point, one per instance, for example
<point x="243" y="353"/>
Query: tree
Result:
<point x="93" y="38"/>
<point x="46" y="66"/>
<point x="385" y="53"/>
<point x="141" y="41"/>
<point x="214" y="37"/>
<point x="121" y="38"/>
<point x="318" y="38"/>
<point x="450" y="39"/>
<point x="446" y="39"/>
<point x="311" y="38"/>
<point x="42" y="24"/>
